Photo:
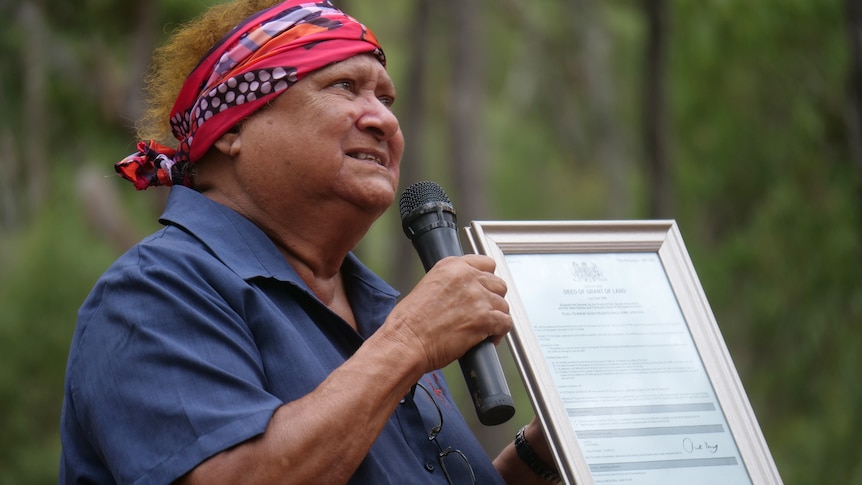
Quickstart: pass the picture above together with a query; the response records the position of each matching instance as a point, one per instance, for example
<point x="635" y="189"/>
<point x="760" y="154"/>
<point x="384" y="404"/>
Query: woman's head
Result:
<point x="205" y="82"/>
<point x="330" y="146"/>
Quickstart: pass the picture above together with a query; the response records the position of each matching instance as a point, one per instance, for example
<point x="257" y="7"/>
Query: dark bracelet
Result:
<point x="526" y="453"/>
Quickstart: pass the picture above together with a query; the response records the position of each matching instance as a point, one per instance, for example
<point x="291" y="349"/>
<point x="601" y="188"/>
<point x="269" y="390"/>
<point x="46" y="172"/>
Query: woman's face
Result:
<point x="329" y="140"/>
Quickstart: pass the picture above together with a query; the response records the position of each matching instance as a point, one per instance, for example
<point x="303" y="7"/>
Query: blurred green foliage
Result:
<point x="765" y="193"/>
<point x="46" y="273"/>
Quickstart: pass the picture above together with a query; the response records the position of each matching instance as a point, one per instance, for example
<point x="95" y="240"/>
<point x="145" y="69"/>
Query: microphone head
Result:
<point x="419" y="194"/>
<point x="429" y="200"/>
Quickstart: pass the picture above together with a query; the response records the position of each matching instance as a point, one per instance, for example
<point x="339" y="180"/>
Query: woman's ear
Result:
<point x="229" y="143"/>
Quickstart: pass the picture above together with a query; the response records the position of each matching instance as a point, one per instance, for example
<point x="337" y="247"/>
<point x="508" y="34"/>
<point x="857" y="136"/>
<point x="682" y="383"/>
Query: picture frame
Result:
<point x="621" y="356"/>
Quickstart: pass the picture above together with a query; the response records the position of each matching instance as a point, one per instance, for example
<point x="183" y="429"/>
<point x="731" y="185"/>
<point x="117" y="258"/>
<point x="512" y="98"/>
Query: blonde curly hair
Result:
<point x="176" y="59"/>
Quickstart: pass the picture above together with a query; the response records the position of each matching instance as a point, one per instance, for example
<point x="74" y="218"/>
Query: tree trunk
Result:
<point x="146" y="15"/>
<point x="413" y="124"/>
<point x="853" y="11"/>
<point x="603" y="138"/>
<point x="34" y="116"/>
<point x="467" y="92"/>
<point x="10" y="168"/>
<point x="655" y="110"/>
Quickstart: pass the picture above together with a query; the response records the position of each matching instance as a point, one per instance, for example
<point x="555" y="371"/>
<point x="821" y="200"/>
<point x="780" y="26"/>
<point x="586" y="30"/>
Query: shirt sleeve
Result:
<point x="164" y="371"/>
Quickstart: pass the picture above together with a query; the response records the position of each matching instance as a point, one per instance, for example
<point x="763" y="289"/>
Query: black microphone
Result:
<point x="428" y="219"/>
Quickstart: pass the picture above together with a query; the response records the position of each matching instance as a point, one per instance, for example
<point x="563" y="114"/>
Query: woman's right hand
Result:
<point x="459" y="303"/>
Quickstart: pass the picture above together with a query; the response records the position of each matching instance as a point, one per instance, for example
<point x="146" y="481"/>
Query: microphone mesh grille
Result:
<point x="419" y="194"/>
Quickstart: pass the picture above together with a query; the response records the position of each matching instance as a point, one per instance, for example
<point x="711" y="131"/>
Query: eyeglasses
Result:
<point x="455" y="458"/>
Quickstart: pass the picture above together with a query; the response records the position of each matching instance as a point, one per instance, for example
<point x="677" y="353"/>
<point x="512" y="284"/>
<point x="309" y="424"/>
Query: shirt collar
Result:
<point x="241" y="245"/>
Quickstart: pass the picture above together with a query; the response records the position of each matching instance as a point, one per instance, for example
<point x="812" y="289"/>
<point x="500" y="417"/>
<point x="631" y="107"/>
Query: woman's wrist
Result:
<point x="532" y="459"/>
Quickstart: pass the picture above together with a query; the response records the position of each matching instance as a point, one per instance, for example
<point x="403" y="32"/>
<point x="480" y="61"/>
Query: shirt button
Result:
<point x="429" y="466"/>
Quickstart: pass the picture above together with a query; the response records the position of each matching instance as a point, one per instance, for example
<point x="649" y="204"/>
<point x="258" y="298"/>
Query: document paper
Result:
<point x="626" y="368"/>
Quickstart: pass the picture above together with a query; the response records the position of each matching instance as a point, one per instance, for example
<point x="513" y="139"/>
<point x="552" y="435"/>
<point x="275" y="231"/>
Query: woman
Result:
<point x="244" y="343"/>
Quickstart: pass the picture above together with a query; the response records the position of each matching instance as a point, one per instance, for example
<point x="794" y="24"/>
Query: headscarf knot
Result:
<point x="150" y="166"/>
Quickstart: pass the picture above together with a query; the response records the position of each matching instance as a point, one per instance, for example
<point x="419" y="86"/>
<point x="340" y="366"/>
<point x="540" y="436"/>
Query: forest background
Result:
<point x="738" y="119"/>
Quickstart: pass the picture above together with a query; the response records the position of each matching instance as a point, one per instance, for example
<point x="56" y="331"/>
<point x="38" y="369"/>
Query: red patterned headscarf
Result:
<point x="260" y="58"/>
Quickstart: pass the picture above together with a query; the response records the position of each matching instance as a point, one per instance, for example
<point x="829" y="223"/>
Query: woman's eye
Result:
<point x="348" y="85"/>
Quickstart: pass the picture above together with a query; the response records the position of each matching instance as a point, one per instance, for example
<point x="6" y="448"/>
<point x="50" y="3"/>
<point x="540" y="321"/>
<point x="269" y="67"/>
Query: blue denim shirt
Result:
<point x="189" y="342"/>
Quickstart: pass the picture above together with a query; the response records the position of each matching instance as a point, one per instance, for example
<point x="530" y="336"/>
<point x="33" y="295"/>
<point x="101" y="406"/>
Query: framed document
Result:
<point x="621" y="355"/>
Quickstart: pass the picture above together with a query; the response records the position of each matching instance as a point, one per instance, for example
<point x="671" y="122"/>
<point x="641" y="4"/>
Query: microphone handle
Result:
<point x="487" y="384"/>
<point x="480" y="365"/>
